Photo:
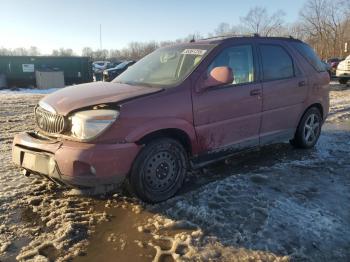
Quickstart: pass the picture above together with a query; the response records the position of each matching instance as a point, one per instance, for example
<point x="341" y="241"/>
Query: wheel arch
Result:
<point x="175" y="133"/>
<point x="316" y="105"/>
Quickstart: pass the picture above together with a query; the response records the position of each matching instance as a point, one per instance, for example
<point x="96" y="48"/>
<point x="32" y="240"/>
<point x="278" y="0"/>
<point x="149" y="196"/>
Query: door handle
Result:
<point x="301" y="83"/>
<point x="255" y="92"/>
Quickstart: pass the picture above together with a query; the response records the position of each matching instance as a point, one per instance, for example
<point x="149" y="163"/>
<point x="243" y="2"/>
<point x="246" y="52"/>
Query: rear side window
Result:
<point x="309" y="54"/>
<point x="276" y="62"/>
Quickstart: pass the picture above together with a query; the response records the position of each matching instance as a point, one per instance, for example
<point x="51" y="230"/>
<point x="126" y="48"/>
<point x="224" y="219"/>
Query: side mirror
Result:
<point x="221" y="75"/>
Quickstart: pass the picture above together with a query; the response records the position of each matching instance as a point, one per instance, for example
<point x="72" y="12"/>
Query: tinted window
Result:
<point x="277" y="63"/>
<point x="309" y="54"/>
<point x="240" y="60"/>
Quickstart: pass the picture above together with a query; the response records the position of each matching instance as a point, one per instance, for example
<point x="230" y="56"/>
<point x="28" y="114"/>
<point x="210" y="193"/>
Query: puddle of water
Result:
<point x="119" y="238"/>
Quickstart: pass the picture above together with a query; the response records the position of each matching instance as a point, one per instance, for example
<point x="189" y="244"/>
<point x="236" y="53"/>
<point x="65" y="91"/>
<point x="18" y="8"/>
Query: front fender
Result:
<point x="161" y="124"/>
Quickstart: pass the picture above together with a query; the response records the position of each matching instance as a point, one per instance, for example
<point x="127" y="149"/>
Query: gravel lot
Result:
<point x="275" y="204"/>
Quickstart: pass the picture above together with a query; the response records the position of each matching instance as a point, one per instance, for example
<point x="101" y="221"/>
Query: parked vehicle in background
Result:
<point x="181" y="106"/>
<point x="98" y="67"/>
<point x="111" y="73"/>
<point x="333" y="63"/>
<point x="343" y="71"/>
<point x="328" y="68"/>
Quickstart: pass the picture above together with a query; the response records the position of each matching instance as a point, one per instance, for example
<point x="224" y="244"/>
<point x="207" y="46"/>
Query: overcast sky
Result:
<point x="51" y="24"/>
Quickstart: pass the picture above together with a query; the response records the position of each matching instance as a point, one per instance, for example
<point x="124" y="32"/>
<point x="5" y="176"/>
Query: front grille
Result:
<point x="49" y="122"/>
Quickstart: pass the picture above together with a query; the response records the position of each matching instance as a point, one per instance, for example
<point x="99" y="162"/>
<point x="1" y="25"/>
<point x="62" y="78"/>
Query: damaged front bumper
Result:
<point x="73" y="163"/>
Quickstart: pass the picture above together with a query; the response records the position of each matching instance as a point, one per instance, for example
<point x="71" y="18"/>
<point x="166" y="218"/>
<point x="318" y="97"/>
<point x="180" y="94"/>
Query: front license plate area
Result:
<point x="36" y="162"/>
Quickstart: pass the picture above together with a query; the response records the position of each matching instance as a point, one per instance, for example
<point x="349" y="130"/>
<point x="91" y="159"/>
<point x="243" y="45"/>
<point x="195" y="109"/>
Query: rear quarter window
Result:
<point x="310" y="55"/>
<point x="276" y="62"/>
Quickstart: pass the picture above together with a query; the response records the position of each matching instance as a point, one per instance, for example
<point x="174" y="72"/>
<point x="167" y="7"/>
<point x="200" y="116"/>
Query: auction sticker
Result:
<point x="194" y="52"/>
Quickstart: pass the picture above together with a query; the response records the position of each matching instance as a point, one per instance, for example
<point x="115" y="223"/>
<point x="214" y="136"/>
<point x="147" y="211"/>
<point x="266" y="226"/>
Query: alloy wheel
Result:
<point x="311" y="128"/>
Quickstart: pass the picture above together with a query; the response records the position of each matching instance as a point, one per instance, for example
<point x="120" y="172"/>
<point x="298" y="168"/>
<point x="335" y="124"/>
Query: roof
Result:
<point x="223" y="38"/>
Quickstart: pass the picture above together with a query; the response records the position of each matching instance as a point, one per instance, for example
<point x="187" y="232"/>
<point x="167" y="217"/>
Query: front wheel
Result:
<point x="309" y="129"/>
<point x="159" y="170"/>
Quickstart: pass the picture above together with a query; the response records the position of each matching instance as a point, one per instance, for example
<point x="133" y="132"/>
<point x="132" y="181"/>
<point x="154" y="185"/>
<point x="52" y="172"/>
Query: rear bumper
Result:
<point x="74" y="163"/>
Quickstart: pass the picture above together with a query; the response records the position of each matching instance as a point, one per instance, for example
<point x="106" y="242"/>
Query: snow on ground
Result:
<point x="275" y="204"/>
<point x="340" y="105"/>
<point x="28" y="91"/>
<point x="295" y="207"/>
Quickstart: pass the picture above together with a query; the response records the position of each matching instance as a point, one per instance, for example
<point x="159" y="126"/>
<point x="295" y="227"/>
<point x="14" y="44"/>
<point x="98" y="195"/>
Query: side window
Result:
<point x="276" y="62"/>
<point x="240" y="60"/>
<point x="309" y="54"/>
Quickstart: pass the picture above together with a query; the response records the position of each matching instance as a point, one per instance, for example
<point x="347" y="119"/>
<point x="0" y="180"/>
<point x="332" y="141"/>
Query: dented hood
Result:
<point x="79" y="96"/>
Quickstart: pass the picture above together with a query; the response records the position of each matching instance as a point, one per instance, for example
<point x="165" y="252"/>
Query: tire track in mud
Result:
<point x="38" y="222"/>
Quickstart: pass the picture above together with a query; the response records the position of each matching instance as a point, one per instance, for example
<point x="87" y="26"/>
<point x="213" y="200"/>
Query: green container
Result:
<point x="20" y="70"/>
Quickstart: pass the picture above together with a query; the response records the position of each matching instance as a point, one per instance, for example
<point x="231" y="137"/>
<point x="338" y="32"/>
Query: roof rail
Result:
<point x="230" y="35"/>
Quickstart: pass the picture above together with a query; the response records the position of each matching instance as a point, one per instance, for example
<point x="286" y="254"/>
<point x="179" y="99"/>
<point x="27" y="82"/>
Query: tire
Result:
<point x="159" y="170"/>
<point x="309" y="129"/>
<point x="343" y="81"/>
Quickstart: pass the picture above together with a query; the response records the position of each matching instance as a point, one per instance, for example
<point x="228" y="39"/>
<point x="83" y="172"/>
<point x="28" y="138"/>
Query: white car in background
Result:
<point x="343" y="71"/>
<point x="99" y="66"/>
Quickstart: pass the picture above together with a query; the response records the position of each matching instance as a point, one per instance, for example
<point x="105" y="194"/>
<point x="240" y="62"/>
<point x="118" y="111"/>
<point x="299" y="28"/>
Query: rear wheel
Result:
<point x="159" y="170"/>
<point x="309" y="129"/>
<point x="343" y="81"/>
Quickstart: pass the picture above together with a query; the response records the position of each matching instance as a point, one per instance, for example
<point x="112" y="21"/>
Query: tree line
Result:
<point x="324" y="24"/>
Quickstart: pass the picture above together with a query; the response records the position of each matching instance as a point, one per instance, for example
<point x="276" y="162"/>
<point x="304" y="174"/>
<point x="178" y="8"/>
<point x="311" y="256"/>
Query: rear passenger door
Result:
<point x="284" y="90"/>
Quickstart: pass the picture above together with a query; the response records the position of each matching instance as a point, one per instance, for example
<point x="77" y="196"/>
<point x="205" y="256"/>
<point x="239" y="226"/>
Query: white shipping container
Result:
<point x="49" y="79"/>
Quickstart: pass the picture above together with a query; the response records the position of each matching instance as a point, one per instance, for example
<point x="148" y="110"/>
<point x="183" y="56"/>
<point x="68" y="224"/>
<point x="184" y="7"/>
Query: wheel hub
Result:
<point x="162" y="170"/>
<point x="311" y="129"/>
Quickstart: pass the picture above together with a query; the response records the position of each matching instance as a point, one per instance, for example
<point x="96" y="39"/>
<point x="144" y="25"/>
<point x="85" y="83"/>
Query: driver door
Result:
<point x="228" y="117"/>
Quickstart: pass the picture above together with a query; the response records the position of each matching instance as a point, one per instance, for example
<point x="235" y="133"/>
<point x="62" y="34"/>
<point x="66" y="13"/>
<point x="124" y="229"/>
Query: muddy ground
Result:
<point x="275" y="204"/>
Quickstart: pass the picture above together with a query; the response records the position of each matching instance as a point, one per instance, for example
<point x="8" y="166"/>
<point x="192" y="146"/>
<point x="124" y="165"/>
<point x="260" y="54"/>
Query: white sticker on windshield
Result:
<point x="194" y="52"/>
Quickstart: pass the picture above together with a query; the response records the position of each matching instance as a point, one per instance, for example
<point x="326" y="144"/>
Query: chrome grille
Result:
<point x="49" y="122"/>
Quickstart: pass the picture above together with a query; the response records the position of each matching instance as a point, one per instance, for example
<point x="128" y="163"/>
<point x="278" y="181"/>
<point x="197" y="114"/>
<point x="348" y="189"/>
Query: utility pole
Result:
<point x="100" y="37"/>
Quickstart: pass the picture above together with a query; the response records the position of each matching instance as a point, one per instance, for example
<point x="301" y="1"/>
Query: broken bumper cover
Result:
<point x="74" y="163"/>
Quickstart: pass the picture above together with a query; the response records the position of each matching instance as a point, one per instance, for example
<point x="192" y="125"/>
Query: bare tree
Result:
<point x="87" y="51"/>
<point x="4" y="51"/>
<point x="223" y="29"/>
<point x="63" y="52"/>
<point x="258" y="21"/>
<point x="100" y="54"/>
<point x="326" y="25"/>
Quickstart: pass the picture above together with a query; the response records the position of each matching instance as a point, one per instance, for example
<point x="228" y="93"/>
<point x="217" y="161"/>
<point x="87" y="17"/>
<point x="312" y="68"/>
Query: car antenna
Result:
<point x="192" y="40"/>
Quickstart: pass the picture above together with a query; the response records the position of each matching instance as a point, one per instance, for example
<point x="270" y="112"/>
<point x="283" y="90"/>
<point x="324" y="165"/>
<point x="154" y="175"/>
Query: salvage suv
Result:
<point x="180" y="107"/>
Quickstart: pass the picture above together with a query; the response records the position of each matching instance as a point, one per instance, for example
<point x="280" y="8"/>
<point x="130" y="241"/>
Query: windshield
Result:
<point x="165" y="67"/>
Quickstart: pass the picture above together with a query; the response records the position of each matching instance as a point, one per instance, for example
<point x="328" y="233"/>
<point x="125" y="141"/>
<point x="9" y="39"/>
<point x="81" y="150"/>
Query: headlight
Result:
<point x="89" y="124"/>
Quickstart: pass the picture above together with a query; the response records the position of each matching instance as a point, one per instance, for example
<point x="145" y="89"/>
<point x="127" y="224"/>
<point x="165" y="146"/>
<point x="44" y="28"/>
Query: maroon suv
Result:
<point x="179" y="107"/>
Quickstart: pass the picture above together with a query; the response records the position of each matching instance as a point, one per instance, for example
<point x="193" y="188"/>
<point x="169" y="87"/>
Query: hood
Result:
<point x="79" y="96"/>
